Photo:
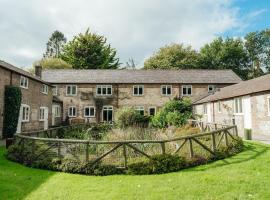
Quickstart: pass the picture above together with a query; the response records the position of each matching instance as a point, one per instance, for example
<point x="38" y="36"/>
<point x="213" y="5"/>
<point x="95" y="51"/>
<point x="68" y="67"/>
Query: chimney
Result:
<point x="38" y="70"/>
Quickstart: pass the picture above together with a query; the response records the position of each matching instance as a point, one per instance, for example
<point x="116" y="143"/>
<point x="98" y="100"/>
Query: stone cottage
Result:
<point x="247" y="104"/>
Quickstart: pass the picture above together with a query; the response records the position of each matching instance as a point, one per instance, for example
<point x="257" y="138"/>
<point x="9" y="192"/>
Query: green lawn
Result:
<point x="244" y="176"/>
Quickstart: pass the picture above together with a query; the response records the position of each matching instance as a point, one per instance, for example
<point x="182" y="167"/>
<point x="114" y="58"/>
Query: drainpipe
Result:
<point x="214" y="111"/>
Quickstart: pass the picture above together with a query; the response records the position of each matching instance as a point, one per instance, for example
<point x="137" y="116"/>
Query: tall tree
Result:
<point x="175" y="56"/>
<point x="258" y="48"/>
<point x="55" y="45"/>
<point x="90" y="51"/>
<point x="226" y="53"/>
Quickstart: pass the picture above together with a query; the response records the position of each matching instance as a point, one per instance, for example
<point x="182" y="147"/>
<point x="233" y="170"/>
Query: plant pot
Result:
<point x="9" y="141"/>
<point x="248" y="134"/>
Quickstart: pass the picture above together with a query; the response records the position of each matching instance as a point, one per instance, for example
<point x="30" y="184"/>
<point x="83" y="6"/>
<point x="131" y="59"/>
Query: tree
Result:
<point x="175" y="56"/>
<point x="90" y="51"/>
<point x="54" y="63"/>
<point x="55" y="45"/>
<point x="226" y="53"/>
<point x="258" y="48"/>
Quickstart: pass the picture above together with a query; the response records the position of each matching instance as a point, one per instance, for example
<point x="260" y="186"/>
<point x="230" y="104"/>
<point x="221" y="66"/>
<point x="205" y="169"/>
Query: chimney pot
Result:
<point x="38" y="70"/>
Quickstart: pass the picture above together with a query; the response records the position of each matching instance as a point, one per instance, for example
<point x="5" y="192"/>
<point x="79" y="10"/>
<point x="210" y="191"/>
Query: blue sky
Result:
<point x="135" y="28"/>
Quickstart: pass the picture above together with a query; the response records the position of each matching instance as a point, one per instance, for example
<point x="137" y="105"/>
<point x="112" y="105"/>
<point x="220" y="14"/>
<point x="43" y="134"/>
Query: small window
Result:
<point x="41" y="114"/>
<point x="89" y="111"/>
<point x="45" y="89"/>
<point x="55" y="90"/>
<point x="104" y="90"/>
<point x="211" y="88"/>
<point x="238" y="106"/>
<point x="166" y="90"/>
<point x="140" y="109"/>
<point x="71" y="90"/>
<point x="152" y="111"/>
<point x="138" y="90"/>
<point x="57" y="111"/>
<point x="25" y="113"/>
<point x="205" y="109"/>
<point x="219" y="106"/>
<point x="24" y="82"/>
<point x="107" y="114"/>
<point x="72" y="111"/>
<point x="187" y="90"/>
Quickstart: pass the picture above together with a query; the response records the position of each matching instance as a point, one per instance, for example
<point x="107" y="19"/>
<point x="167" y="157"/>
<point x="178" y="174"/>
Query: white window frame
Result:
<point x="45" y="89"/>
<point x="71" y="89"/>
<point x="152" y="108"/>
<point x="268" y="103"/>
<point x="55" y="90"/>
<point x="213" y="86"/>
<point x="138" y="89"/>
<point x="108" y="108"/>
<point x="238" y="107"/>
<point x="219" y="106"/>
<point x="24" y="82"/>
<point x="25" y="118"/>
<point x="72" y="114"/>
<point x="140" y="108"/>
<point x="57" y="110"/>
<point x="205" y="110"/>
<point x="42" y="114"/>
<point x="89" y="107"/>
<point x="166" y="87"/>
<point x="101" y="87"/>
<point x="187" y="87"/>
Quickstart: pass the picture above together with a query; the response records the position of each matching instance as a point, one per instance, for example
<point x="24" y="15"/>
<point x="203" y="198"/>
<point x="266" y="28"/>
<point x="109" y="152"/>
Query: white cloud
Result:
<point x="135" y="28"/>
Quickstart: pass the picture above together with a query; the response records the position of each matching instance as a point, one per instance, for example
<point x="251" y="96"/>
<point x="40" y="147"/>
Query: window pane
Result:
<point x="110" y="115"/>
<point x="189" y="90"/>
<point x="105" y="115"/>
<point x="74" y="88"/>
<point x="184" y="90"/>
<point x="169" y="90"/>
<point x="140" y="90"/>
<point x="86" y="112"/>
<point x="152" y="111"/>
<point x="68" y="90"/>
<point x="135" y="90"/>
<point x="109" y="89"/>
<point x="99" y="90"/>
<point x="164" y="90"/>
<point x="92" y="111"/>
<point x="103" y="90"/>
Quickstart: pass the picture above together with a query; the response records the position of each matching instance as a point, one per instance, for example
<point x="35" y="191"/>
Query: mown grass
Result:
<point x="244" y="176"/>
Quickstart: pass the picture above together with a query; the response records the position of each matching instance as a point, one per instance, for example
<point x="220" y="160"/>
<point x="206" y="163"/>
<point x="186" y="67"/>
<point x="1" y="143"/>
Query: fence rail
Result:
<point x="120" y="153"/>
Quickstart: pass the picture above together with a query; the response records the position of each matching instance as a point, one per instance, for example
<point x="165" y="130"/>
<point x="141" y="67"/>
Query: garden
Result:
<point x="135" y="144"/>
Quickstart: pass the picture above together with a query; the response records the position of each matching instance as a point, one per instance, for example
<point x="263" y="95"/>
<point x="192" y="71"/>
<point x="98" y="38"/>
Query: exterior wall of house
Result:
<point x="32" y="97"/>
<point x="57" y="120"/>
<point x="122" y="96"/>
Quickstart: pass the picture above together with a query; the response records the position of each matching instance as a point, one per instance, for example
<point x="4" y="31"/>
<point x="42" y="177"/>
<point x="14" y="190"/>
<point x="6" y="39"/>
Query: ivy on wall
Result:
<point x="13" y="97"/>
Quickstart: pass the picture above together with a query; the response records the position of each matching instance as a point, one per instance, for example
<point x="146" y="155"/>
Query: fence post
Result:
<point x="215" y="126"/>
<point x="236" y="131"/>
<point x="87" y="152"/>
<point x="213" y="142"/>
<point x="191" y="153"/>
<point x="226" y="138"/>
<point x="163" y="147"/>
<point x="59" y="150"/>
<point x="125" y="155"/>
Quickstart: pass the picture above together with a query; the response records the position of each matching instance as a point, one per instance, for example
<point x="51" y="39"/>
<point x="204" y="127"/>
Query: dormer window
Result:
<point x="138" y="90"/>
<point x="104" y="90"/>
<point x="24" y="82"/>
<point x="71" y="90"/>
<point x="186" y="90"/>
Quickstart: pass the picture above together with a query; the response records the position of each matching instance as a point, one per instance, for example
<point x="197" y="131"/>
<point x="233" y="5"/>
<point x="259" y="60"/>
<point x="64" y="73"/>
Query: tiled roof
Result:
<point x="256" y="85"/>
<point x="140" y="76"/>
<point x="19" y="71"/>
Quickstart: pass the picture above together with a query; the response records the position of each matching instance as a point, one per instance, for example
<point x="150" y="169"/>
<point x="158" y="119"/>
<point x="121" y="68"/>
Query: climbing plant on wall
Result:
<point x="12" y="102"/>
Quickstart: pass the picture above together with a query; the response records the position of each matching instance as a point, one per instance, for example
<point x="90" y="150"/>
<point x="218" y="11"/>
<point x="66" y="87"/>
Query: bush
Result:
<point x="127" y="116"/>
<point x="175" y="112"/>
<point x="13" y="97"/>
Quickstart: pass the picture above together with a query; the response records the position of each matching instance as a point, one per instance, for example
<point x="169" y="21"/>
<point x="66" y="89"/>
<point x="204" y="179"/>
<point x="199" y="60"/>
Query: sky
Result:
<point x="135" y="28"/>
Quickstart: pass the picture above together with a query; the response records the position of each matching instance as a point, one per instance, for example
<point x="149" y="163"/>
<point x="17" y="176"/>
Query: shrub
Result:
<point x="175" y="112"/>
<point x="13" y="98"/>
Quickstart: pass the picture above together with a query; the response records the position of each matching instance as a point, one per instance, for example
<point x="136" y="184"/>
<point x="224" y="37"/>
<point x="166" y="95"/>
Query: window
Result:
<point x="41" y="114"/>
<point x="205" y="109"/>
<point x="152" y="111"/>
<point x="166" y="89"/>
<point x="45" y="89"/>
<point x="138" y="90"/>
<point x="57" y="110"/>
<point x="24" y="82"/>
<point x="107" y="113"/>
<point x="104" y="90"/>
<point x="72" y="111"/>
<point x="140" y="109"/>
<point x="187" y="90"/>
<point x="268" y="102"/>
<point x="25" y="113"/>
<point x="89" y="111"/>
<point x="238" y="105"/>
<point x="211" y="88"/>
<point x="55" y="90"/>
<point x="71" y="90"/>
<point x="219" y="106"/>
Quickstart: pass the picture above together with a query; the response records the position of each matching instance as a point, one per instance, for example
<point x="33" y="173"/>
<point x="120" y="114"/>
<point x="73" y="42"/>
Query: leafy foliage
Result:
<point x="175" y="112"/>
<point x="13" y="98"/>
<point x="55" y="45"/>
<point x="90" y="51"/>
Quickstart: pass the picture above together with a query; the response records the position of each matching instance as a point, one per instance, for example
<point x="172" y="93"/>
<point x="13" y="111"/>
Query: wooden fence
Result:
<point x="206" y="143"/>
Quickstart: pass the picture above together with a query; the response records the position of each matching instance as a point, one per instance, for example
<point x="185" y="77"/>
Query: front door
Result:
<point x="107" y="113"/>
<point x="46" y="118"/>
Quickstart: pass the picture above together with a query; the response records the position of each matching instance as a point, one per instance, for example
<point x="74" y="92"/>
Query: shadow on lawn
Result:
<point x="250" y="152"/>
<point x="17" y="181"/>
